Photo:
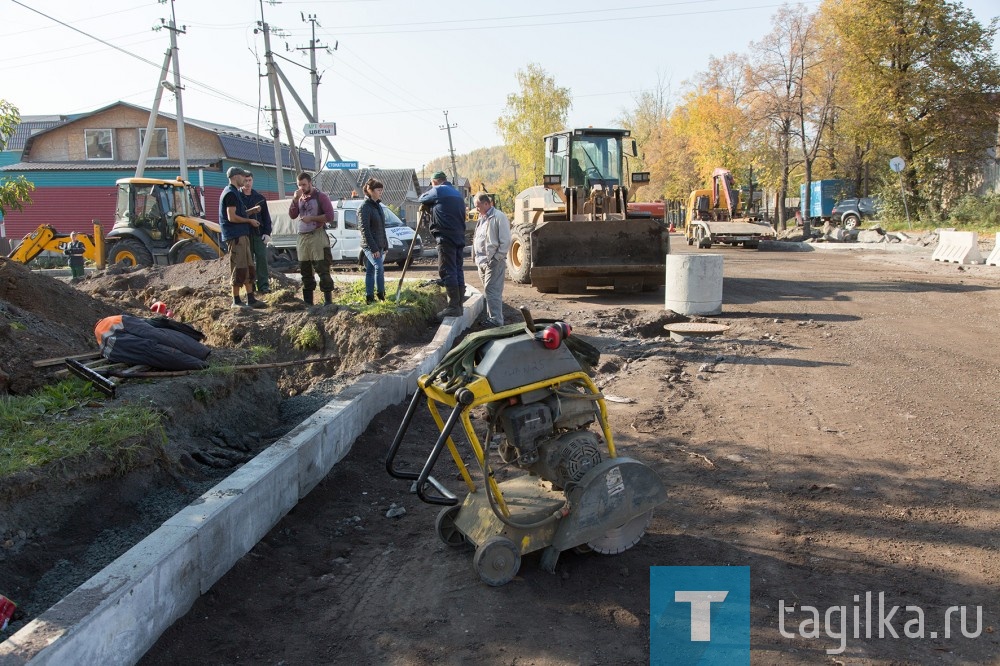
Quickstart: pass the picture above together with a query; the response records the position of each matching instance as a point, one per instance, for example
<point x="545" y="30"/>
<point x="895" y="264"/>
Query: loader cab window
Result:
<point x="599" y="159"/>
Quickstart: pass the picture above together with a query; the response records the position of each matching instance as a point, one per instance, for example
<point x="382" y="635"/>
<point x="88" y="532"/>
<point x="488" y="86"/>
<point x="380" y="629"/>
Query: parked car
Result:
<point x="345" y="237"/>
<point x="850" y="212"/>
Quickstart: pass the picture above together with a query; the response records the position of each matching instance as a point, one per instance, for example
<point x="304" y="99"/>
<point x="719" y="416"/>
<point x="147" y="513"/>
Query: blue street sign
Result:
<point x="341" y="165"/>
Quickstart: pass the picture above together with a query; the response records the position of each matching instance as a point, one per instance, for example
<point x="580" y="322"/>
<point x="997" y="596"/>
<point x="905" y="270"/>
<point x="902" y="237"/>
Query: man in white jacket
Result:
<point x="489" y="251"/>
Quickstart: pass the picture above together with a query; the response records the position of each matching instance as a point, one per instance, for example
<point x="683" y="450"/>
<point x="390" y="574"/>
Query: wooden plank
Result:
<point x="61" y="360"/>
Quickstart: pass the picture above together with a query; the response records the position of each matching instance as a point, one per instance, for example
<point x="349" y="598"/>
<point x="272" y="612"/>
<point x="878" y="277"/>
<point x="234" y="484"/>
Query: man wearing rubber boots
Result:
<point x="448" y="228"/>
<point x="314" y="210"/>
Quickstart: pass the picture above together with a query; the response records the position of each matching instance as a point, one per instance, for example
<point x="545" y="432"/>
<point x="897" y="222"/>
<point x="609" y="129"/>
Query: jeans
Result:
<point x="374" y="273"/>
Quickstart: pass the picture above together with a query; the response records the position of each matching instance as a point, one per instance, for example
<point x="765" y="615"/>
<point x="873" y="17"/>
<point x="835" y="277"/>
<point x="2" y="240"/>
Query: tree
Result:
<point x="539" y="108"/>
<point x="14" y="192"/>
<point x="647" y="122"/>
<point x="921" y="73"/>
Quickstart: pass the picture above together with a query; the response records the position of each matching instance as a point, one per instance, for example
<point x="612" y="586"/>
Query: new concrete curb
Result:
<point x="117" y="615"/>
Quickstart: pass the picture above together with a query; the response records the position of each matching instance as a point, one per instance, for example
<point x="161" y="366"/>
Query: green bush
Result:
<point x="979" y="212"/>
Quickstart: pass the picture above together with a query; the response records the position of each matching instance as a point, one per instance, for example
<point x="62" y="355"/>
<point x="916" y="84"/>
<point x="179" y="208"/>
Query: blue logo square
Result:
<point x="699" y="615"/>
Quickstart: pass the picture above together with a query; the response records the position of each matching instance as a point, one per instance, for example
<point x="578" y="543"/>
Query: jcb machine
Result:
<point x="156" y="222"/>
<point x="719" y="215"/>
<point x="545" y="480"/>
<point x="161" y="222"/>
<point x="575" y="231"/>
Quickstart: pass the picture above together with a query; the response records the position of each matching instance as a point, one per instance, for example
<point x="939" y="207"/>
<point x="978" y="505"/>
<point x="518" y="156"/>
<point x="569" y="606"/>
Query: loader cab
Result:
<point x="587" y="157"/>
<point x="154" y="207"/>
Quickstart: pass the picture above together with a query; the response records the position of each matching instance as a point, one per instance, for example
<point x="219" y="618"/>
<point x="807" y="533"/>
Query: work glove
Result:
<point x="266" y="239"/>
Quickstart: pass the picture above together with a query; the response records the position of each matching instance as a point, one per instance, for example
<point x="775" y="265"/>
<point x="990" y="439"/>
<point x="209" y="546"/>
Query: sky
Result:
<point x="397" y="67"/>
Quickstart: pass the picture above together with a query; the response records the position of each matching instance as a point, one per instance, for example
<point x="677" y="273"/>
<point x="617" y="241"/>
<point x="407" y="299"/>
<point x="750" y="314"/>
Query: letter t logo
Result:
<point x="701" y="611"/>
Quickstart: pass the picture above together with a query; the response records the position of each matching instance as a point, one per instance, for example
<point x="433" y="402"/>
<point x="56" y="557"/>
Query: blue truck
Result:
<point x="822" y="195"/>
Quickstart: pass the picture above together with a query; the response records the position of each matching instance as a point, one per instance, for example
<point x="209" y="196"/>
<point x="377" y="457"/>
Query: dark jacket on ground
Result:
<point x="448" y="213"/>
<point x="371" y="222"/>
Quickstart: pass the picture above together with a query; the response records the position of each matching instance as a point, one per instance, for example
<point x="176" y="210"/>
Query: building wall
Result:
<point x="67" y="143"/>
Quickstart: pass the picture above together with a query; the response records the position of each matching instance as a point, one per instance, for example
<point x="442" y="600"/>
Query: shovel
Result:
<point x="406" y="264"/>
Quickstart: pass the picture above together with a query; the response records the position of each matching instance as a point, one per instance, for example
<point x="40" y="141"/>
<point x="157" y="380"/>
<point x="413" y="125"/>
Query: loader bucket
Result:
<point x="572" y="256"/>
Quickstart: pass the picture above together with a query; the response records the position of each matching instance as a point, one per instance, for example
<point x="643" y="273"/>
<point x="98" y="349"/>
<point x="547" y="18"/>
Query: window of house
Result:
<point x="158" y="149"/>
<point x="100" y="144"/>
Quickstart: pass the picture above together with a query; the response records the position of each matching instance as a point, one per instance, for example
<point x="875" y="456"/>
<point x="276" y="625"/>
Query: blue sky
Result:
<point x="398" y="65"/>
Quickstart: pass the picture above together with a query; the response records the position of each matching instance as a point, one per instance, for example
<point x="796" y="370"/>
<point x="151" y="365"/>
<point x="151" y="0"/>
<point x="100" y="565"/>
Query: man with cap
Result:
<point x="260" y="236"/>
<point x="236" y="228"/>
<point x="448" y="228"/>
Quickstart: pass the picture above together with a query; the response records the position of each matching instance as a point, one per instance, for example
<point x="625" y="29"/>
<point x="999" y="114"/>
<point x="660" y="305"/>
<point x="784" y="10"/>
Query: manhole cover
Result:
<point x="682" y="330"/>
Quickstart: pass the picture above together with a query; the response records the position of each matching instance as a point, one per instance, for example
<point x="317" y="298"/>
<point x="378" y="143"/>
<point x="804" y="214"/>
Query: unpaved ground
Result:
<point x="61" y="524"/>
<point x="840" y="439"/>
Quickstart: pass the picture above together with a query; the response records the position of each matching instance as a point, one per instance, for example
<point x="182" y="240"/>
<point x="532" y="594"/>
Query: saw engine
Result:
<point x="550" y="437"/>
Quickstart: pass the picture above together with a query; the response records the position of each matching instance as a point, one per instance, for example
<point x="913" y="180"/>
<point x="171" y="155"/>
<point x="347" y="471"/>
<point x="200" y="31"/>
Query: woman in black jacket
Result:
<point x="374" y="244"/>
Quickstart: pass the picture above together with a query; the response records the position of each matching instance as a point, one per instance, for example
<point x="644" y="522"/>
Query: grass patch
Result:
<point x="260" y="352"/>
<point x="423" y="300"/>
<point x="68" y="420"/>
<point x="305" y="337"/>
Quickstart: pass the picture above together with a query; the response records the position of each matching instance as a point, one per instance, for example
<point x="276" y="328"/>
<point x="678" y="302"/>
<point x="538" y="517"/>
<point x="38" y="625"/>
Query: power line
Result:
<point x="345" y="30"/>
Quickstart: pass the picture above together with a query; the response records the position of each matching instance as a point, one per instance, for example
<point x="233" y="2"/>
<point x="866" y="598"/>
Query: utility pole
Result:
<point x="314" y="78"/>
<point x="272" y="84"/>
<point x="451" y="148"/>
<point x="147" y="140"/>
<point x="181" y="151"/>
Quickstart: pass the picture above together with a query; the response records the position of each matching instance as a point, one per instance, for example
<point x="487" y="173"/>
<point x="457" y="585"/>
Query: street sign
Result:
<point x="341" y="165"/>
<point x="320" y="129"/>
<point x="897" y="164"/>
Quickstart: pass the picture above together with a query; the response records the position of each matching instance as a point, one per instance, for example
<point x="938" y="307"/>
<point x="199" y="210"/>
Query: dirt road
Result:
<point x="840" y="439"/>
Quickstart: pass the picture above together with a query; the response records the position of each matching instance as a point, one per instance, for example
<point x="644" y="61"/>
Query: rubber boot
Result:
<point x="327" y="298"/>
<point x="307" y="296"/>
<point x="454" y="308"/>
<point x="381" y="295"/>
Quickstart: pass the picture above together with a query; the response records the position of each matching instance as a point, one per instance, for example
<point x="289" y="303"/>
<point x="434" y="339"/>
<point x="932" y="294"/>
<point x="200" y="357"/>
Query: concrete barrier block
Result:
<point x="960" y="247"/>
<point x="994" y="258"/>
<point x="119" y="613"/>
<point x="234" y="515"/>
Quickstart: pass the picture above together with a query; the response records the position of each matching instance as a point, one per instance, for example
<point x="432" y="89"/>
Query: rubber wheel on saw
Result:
<point x="130" y="252"/>
<point x="497" y="561"/>
<point x="622" y="538"/>
<point x="196" y="252"/>
<point x="519" y="256"/>
<point x="445" y="527"/>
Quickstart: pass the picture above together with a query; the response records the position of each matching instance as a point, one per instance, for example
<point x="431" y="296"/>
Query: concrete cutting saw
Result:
<point x="549" y="478"/>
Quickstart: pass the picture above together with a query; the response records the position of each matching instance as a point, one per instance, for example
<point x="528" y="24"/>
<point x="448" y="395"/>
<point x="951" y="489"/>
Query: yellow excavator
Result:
<point x="575" y="231"/>
<point x="156" y="222"/>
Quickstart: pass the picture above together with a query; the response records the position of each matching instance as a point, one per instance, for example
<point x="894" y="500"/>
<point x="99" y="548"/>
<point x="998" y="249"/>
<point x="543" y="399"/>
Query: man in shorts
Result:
<point x="236" y="229"/>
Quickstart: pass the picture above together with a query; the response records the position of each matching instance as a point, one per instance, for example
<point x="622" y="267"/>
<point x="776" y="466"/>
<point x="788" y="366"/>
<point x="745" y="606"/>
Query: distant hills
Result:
<point x="491" y="166"/>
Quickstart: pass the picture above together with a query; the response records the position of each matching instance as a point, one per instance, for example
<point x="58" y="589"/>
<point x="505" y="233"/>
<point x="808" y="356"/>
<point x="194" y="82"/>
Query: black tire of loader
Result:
<point x="519" y="268"/>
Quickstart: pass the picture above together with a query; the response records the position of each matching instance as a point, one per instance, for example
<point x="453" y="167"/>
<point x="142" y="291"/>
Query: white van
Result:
<point x="345" y="237"/>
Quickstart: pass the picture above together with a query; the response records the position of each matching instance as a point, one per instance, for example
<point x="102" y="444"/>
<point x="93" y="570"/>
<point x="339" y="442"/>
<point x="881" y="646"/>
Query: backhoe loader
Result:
<point x="156" y="222"/>
<point x="575" y="231"/>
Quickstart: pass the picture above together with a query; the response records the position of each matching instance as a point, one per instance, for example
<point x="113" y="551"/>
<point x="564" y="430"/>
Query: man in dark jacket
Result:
<point x="448" y="228"/>
<point x="75" y="251"/>
<point x="259" y="236"/>
<point x="374" y="244"/>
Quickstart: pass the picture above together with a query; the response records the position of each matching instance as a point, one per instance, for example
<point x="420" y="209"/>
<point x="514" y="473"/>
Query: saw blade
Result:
<point x="622" y="538"/>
